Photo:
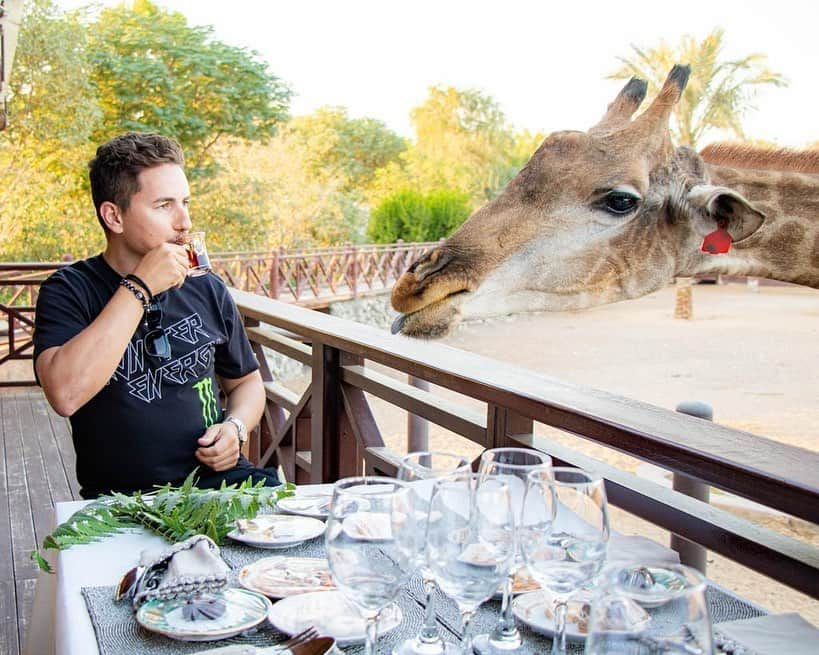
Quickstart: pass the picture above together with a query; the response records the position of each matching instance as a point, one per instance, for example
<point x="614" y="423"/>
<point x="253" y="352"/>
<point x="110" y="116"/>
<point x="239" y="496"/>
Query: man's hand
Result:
<point x="219" y="447"/>
<point x="163" y="267"/>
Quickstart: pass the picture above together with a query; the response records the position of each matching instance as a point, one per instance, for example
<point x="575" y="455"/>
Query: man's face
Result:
<point x="158" y="212"/>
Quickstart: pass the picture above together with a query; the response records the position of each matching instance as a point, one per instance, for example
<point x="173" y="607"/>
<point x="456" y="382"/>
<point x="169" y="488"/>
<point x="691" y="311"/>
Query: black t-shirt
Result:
<point x="141" y="429"/>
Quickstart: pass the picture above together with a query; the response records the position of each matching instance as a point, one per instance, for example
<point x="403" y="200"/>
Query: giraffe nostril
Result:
<point x="432" y="265"/>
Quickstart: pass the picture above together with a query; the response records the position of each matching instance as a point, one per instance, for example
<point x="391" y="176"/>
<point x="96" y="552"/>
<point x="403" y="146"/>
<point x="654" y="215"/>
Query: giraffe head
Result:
<point x="593" y="217"/>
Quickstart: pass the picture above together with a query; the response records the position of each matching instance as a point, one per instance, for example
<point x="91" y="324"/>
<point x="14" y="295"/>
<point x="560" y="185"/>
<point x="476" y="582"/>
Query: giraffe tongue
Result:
<point x="717" y="242"/>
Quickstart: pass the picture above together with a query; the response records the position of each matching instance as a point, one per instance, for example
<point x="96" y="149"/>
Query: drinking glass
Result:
<point x="470" y="541"/>
<point x="512" y="465"/>
<point x="563" y="535"/>
<point x="650" y="610"/>
<point x="421" y="469"/>
<point x="370" y="544"/>
<point x="198" y="260"/>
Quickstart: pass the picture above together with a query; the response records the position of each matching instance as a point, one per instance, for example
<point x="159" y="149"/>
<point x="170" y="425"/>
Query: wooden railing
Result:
<point x="317" y="277"/>
<point x="329" y="431"/>
<point x="310" y="277"/>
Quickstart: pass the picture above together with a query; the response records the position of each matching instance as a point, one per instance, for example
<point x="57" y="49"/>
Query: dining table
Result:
<point x="75" y="613"/>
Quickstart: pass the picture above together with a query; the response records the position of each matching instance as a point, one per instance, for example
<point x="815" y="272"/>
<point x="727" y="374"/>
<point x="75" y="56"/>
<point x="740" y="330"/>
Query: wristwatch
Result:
<point x="240" y="427"/>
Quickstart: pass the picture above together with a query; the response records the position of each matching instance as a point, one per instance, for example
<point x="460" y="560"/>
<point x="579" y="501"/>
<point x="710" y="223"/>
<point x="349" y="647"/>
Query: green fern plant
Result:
<point x="176" y="513"/>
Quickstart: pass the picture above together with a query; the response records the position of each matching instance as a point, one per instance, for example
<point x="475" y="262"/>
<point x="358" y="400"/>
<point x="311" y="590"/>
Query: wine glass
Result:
<point x="650" y="610"/>
<point x="563" y="535"/>
<point x="421" y="469"/>
<point x="370" y="544"/>
<point x="512" y="465"/>
<point x="470" y="541"/>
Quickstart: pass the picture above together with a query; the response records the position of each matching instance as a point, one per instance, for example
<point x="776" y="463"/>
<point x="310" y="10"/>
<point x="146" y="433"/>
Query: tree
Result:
<point x="719" y="92"/>
<point x="44" y="206"/>
<point x="463" y="142"/>
<point x="154" y="72"/>
<point x="352" y="148"/>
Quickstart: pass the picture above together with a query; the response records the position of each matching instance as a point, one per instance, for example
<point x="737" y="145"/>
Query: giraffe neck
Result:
<point x="786" y="247"/>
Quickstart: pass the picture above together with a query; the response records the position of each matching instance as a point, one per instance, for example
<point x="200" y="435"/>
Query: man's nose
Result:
<point x="183" y="219"/>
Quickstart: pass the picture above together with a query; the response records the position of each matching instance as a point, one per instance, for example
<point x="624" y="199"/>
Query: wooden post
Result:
<point x="501" y="423"/>
<point x="354" y="269"/>
<point x="692" y="554"/>
<point x="417" y="427"/>
<point x="274" y="275"/>
<point x="325" y="412"/>
<point x="684" y="305"/>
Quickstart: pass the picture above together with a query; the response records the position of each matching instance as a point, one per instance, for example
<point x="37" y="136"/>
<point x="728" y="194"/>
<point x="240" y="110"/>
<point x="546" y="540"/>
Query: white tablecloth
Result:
<point x="60" y="624"/>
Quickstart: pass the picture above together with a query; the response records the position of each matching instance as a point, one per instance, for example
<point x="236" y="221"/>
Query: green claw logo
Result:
<point x="210" y="411"/>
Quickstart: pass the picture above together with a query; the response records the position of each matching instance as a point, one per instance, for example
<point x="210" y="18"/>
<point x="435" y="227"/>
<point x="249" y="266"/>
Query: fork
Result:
<point x="305" y="635"/>
<point x="279" y="649"/>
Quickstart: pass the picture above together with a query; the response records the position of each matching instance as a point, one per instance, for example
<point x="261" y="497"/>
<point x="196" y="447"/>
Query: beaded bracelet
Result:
<point x="136" y="291"/>
<point x="140" y="282"/>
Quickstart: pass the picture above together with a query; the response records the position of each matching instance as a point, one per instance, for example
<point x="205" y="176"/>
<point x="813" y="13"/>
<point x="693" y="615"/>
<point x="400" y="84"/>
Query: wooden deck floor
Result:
<point x="36" y="471"/>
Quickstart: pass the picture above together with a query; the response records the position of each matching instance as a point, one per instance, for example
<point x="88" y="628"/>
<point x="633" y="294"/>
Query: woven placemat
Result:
<point x="118" y="633"/>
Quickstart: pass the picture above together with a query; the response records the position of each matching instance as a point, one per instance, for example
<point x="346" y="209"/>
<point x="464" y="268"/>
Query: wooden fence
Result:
<point x="313" y="278"/>
<point x="329" y="431"/>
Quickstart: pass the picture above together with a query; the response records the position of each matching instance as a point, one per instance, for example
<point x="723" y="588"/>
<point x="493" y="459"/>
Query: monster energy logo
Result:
<point x="210" y="412"/>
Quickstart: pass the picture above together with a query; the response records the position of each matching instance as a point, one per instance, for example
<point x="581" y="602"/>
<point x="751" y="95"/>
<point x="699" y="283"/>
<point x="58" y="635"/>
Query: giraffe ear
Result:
<point x="713" y="204"/>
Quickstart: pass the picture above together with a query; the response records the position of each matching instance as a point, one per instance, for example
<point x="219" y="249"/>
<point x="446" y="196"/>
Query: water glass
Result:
<point x="370" y="544"/>
<point x="470" y="541"/>
<point x="512" y="465"/>
<point x="650" y="610"/>
<point x="421" y="469"/>
<point x="563" y="535"/>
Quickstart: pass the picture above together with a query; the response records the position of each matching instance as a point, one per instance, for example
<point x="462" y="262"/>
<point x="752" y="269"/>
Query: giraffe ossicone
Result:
<point x="615" y="213"/>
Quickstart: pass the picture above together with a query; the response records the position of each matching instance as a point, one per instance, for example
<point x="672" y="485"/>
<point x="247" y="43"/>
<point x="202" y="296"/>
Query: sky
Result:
<point x="545" y="63"/>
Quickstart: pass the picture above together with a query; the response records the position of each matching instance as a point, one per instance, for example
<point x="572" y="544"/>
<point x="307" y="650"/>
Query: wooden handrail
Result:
<point x="339" y="436"/>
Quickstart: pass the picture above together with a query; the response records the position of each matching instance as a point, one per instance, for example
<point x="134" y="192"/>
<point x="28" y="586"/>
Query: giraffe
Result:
<point x="615" y="213"/>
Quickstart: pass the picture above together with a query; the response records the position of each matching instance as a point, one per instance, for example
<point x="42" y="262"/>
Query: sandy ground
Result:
<point x="753" y="356"/>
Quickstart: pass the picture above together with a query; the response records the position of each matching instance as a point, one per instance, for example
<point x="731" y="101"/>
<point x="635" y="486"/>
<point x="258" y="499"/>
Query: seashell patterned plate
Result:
<point x="279" y="577"/>
<point x="243" y="610"/>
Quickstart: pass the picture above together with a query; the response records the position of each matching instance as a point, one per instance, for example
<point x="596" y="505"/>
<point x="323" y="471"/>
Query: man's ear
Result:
<point x="714" y="204"/>
<point x="111" y="216"/>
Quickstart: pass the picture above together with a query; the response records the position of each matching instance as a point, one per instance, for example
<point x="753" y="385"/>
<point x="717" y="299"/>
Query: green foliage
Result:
<point x="44" y="211"/>
<point x="719" y="92"/>
<point x="351" y="148"/>
<point x="412" y="216"/>
<point x="463" y="142"/>
<point x="176" y="513"/>
<point x="155" y="73"/>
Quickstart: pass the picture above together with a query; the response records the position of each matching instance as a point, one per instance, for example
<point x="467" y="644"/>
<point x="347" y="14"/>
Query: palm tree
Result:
<point x="719" y="92"/>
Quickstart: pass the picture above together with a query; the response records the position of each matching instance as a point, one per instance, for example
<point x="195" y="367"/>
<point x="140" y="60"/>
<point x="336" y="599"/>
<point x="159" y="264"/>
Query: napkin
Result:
<point x="639" y="550"/>
<point x="184" y="570"/>
<point x="774" y="634"/>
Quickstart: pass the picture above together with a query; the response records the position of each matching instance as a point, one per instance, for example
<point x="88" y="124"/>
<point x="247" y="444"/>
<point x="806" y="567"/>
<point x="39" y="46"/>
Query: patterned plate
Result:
<point x="279" y="577"/>
<point x="243" y="610"/>
<point x="276" y="530"/>
<point x="332" y="614"/>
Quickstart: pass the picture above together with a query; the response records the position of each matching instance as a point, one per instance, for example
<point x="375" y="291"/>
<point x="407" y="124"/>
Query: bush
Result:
<point x="412" y="216"/>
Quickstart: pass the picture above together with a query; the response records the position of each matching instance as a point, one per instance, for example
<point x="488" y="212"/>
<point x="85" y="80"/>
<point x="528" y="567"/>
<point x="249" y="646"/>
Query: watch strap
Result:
<point x="241" y="429"/>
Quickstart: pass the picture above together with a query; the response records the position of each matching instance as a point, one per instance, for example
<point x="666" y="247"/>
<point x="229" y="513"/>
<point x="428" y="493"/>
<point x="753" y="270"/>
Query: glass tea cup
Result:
<point x="198" y="260"/>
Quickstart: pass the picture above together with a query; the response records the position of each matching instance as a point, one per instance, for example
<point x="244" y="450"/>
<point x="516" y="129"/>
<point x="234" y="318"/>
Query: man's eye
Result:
<point x="618" y="202"/>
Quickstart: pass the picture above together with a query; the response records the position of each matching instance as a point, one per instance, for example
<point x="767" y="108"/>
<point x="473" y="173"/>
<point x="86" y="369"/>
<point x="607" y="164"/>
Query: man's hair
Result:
<point x="115" y="170"/>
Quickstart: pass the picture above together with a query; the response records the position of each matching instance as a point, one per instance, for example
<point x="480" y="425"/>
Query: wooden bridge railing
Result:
<point x="329" y="431"/>
<point x="318" y="276"/>
<point x="313" y="277"/>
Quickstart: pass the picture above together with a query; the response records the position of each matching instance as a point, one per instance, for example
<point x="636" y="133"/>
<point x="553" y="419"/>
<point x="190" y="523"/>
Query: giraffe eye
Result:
<point x="620" y="202"/>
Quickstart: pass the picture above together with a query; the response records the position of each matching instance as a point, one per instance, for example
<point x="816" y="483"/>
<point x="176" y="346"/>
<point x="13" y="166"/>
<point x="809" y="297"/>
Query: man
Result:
<point x="133" y="350"/>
